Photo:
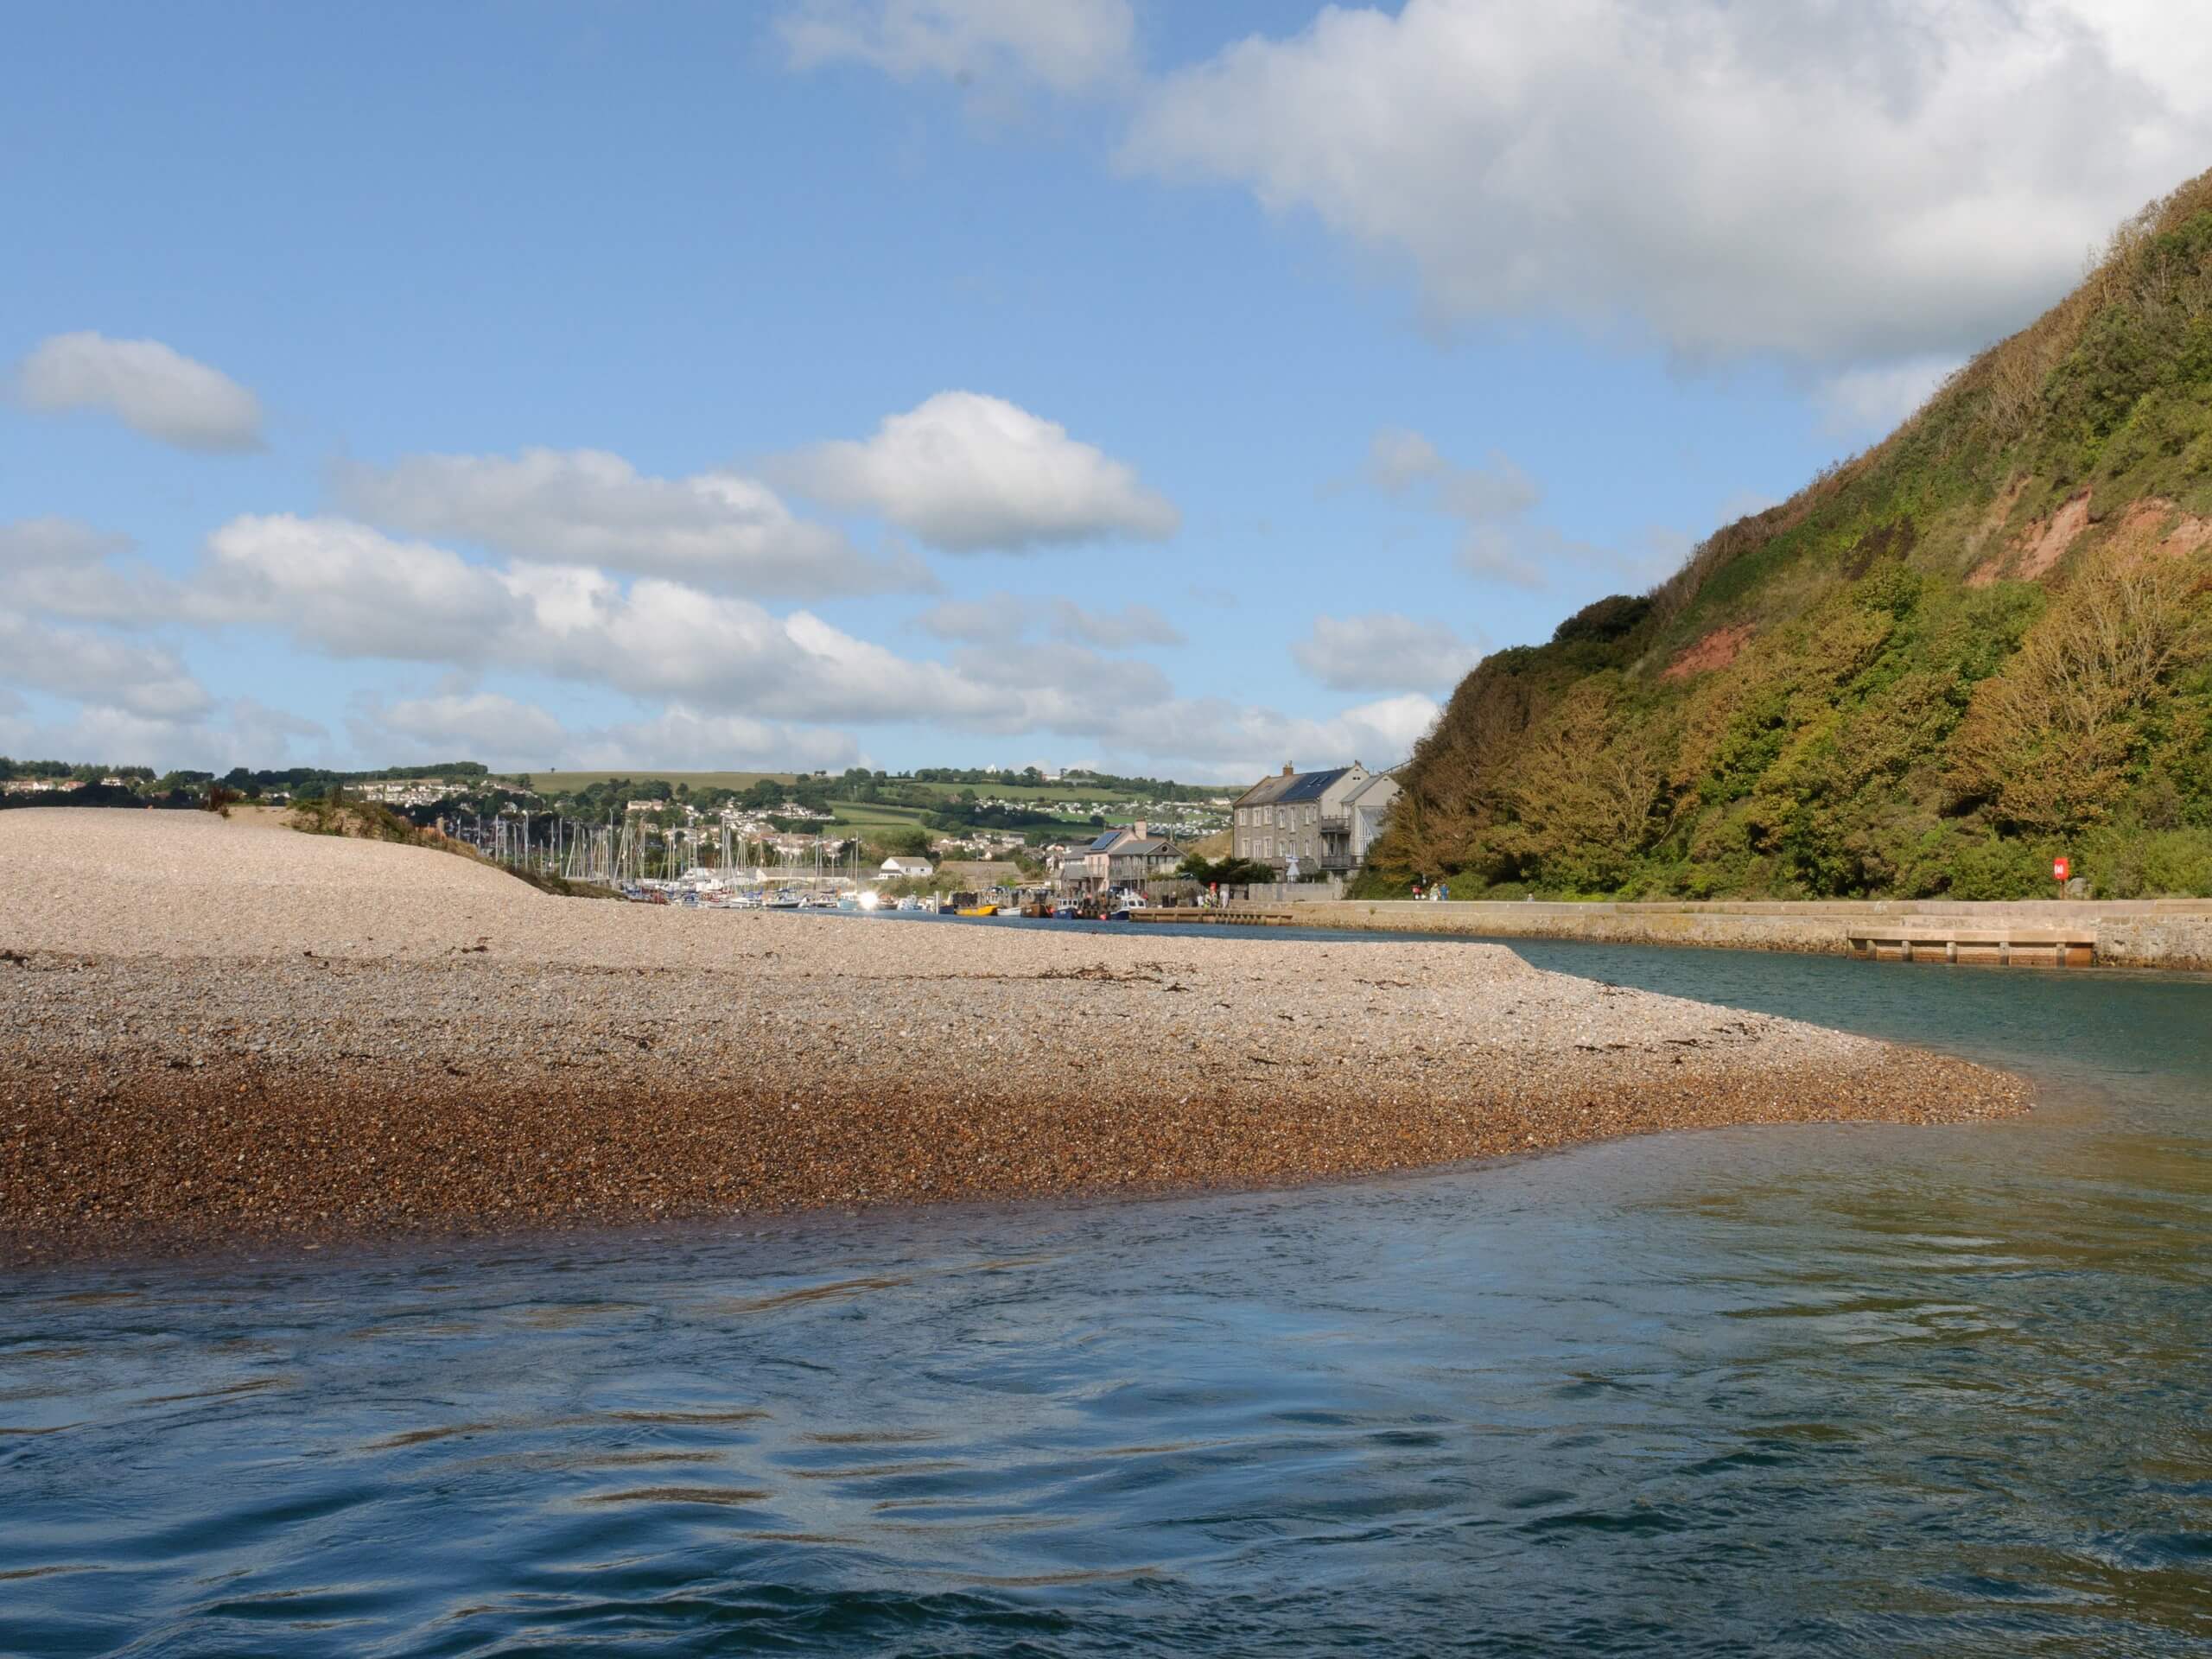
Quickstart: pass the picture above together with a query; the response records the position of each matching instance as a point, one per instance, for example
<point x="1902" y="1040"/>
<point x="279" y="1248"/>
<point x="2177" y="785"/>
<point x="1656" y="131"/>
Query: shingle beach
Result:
<point x="214" y="1033"/>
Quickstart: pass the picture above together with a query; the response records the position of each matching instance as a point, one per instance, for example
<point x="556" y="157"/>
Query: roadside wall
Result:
<point x="2131" y="933"/>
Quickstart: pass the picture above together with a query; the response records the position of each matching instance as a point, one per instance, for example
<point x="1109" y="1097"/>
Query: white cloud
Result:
<point x="481" y="724"/>
<point x="506" y="731"/>
<point x="1210" y="738"/>
<point x="238" y="733"/>
<point x="586" y="506"/>
<point x="1074" y="688"/>
<point x="353" y="591"/>
<point x="1836" y="184"/>
<point x="975" y="621"/>
<point x="1400" y="461"/>
<point x="1067" y="46"/>
<point x="680" y="737"/>
<point x="52" y="542"/>
<point x="968" y="473"/>
<point x="146" y="681"/>
<point x="349" y="590"/>
<point x="146" y="385"/>
<point x="1383" y="651"/>
<point x="1492" y="501"/>
<point x="1864" y="402"/>
<point x="737" y="684"/>
<point x="1005" y="617"/>
<point x="62" y="567"/>
<point x="1134" y="624"/>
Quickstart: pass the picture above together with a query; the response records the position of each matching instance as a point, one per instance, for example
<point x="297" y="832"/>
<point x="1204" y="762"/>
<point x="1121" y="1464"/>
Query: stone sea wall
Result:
<point x="2172" y="934"/>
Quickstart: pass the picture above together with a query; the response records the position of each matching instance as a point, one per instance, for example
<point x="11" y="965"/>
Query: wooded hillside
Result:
<point x="1986" y="641"/>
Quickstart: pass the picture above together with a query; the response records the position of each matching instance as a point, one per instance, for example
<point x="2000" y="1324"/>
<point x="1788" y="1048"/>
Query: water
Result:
<point x="1846" y="1389"/>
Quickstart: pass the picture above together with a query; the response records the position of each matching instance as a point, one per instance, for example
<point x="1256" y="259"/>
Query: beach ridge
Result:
<point x="268" y="1035"/>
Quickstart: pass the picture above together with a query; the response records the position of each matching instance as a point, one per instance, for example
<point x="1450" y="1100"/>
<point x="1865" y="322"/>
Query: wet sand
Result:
<point x="214" y="1033"/>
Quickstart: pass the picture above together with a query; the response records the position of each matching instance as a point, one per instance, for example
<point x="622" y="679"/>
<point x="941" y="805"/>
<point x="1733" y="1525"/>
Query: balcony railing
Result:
<point x="1338" y="861"/>
<point x="1336" y="824"/>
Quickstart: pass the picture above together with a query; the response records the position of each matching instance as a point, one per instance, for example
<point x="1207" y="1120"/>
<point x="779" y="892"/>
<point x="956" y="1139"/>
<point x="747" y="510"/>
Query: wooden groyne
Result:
<point x="2019" y="947"/>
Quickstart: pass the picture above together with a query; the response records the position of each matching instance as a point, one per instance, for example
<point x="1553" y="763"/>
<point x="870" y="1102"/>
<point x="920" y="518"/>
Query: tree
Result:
<point x="1584" y="791"/>
<point x="2051" y="742"/>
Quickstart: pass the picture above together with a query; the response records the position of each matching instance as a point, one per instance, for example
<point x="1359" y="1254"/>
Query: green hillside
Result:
<point x="1985" y="642"/>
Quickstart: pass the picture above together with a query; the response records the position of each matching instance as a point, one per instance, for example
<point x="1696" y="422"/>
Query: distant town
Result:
<point x="1070" y="835"/>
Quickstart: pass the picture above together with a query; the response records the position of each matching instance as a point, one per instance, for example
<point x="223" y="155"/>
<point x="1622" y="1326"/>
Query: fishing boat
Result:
<point x="976" y="910"/>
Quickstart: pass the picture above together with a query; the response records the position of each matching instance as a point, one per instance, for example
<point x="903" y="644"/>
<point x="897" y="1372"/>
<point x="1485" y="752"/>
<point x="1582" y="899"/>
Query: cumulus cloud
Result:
<point x="681" y="737"/>
<point x="1400" y="460"/>
<point x="586" y="506"/>
<point x="735" y="684"/>
<point x="1863" y="402"/>
<point x="970" y="474"/>
<point x="149" y="387"/>
<point x="973" y="622"/>
<point x="1835" y="184"/>
<point x="1211" y="738"/>
<point x="1134" y="624"/>
<point x="1070" y="687"/>
<point x="1002" y="616"/>
<point x="52" y="542"/>
<point x="486" y="725"/>
<point x="1383" y="651"/>
<point x="238" y="732"/>
<point x="84" y="665"/>
<point x="63" y="568"/>
<point x="353" y="591"/>
<point x="1492" y="500"/>
<point x="1066" y="46"/>
<point x="349" y="590"/>
<point x="506" y="732"/>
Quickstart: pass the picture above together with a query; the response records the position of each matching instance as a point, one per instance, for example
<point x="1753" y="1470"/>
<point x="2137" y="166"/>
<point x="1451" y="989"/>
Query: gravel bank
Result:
<point x="218" y="1032"/>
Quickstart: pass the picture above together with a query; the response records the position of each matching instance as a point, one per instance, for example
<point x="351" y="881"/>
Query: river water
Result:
<point x="1818" y="1390"/>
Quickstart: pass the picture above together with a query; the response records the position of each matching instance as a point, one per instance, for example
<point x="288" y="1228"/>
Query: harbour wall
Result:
<point x="2172" y="934"/>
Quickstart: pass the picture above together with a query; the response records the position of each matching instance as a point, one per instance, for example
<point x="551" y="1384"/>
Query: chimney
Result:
<point x="1139" y="827"/>
<point x="1286" y="771"/>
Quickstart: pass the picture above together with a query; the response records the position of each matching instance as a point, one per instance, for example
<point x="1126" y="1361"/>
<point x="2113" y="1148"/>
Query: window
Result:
<point x="1309" y="813"/>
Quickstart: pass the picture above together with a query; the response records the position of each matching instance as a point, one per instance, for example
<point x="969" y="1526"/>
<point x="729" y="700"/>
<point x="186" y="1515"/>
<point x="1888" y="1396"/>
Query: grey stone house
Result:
<point x="1324" y="820"/>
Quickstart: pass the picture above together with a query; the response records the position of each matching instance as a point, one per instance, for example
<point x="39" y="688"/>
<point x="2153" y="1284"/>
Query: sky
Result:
<point x="1178" y="389"/>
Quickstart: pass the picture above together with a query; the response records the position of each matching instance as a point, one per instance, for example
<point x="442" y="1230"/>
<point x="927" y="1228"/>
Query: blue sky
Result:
<point x="1179" y="389"/>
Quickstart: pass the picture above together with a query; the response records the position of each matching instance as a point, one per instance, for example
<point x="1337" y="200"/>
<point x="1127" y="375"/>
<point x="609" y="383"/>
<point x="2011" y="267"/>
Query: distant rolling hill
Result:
<point x="1983" y="643"/>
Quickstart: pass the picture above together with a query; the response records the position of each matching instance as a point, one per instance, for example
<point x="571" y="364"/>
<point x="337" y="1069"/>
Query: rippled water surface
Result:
<point x="1815" y="1390"/>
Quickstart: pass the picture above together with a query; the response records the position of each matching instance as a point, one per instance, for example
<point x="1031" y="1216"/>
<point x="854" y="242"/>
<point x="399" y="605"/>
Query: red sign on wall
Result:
<point x="2061" y="868"/>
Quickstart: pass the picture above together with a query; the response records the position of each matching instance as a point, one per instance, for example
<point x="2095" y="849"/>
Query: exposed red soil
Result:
<point x="2045" y="544"/>
<point x="2157" y="527"/>
<point x="1717" y="649"/>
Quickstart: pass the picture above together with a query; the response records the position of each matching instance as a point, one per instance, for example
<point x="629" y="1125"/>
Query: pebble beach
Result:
<point x="217" y="1034"/>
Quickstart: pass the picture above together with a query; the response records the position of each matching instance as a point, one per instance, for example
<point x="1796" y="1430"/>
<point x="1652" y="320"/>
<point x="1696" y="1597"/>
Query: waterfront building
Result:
<point x="1325" y="821"/>
<point x="1125" y="857"/>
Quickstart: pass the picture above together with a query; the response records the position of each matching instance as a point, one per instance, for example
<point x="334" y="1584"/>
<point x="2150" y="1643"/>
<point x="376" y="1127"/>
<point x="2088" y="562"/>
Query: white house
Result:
<point x="895" y="868"/>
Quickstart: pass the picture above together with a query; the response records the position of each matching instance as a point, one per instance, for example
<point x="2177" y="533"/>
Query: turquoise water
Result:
<point x="1817" y="1391"/>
